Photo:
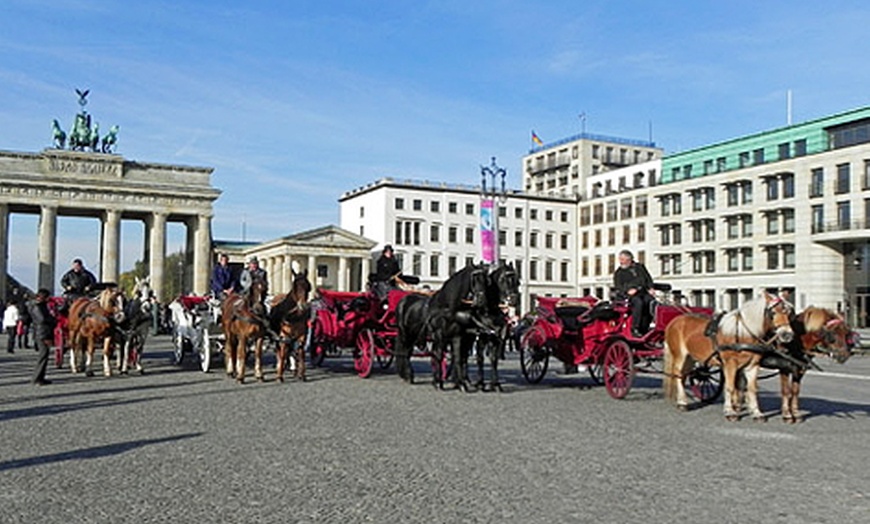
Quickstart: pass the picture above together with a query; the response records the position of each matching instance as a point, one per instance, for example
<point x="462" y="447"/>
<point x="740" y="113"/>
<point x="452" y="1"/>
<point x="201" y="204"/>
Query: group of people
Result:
<point x="224" y="280"/>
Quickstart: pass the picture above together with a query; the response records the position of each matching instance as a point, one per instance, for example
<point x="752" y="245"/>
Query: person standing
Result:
<point x="43" y="333"/>
<point x="10" y="325"/>
<point x="634" y="283"/>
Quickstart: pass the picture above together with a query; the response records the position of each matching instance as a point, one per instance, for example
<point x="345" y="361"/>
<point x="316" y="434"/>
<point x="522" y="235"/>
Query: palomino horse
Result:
<point x="243" y="317"/>
<point x="91" y="320"/>
<point x="737" y="344"/>
<point x="818" y="331"/>
<point x="288" y="317"/>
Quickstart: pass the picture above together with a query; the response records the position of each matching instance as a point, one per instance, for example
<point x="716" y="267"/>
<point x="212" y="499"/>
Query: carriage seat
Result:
<point x="569" y="316"/>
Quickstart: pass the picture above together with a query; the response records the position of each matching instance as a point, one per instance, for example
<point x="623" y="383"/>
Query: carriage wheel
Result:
<point x="618" y="369"/>
<point x="596" y="371"/>
<point x="205" y="353"/>
<point x="383" y="353"/>
<point x="705" y="383"/>
<point x="363" y="355"/>
<point x="534" y="355"/>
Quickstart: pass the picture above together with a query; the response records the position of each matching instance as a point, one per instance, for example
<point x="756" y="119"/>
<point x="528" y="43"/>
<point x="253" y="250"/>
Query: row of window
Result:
<point x="843" y="221"/>
<point x="755" y="157"/>
<point x="621" y="209"/>
<point x="598" y="268"/>
<point x="453" y="208"/>
<point x="408" y="233"/>
<point x="597" y="240"/>
<point x="434" y="266"/>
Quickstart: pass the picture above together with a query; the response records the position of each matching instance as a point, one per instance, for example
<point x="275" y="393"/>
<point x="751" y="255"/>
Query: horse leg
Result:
<point x="107" y="354"/>
<point x="495" y="384"/>
<point x="481" y="372"/>
<point x="241" y="354"/>
<point x="299" y="371"/>
<point x="229" y="354"/>
<point x="730" y="368"/>
<point x="797" y="376"/>
<point x="73" y="349"/>
<point x="89" y="357"/>
<point x="124" y="358"/>
<point x="785" y="391"/>
<point x="751" y="373"/>
<point x="280" y="355"/>
<point x="258" y="360"/>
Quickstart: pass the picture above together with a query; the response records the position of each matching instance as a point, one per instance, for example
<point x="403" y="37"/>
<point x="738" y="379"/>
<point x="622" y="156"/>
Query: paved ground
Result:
<point x="177" y="445"/>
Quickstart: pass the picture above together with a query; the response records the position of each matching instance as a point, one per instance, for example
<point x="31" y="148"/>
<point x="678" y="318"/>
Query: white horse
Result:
<point x="139" y="316"/>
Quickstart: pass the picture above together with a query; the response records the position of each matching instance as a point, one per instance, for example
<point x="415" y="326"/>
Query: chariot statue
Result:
<point x="82" y="135"/>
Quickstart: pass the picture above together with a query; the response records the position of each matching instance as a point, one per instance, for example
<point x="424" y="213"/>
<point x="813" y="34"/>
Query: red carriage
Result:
<point x="597" y="334"/>
<point x="361" y="321"/>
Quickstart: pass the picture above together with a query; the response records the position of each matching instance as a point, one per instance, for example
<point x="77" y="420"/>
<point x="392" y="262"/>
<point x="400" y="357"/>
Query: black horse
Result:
<point x="502" y="294"/>
<point x="444" y="316"/>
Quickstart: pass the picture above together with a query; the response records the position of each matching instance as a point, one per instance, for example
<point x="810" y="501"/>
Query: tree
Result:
<point x="174" y="271"/>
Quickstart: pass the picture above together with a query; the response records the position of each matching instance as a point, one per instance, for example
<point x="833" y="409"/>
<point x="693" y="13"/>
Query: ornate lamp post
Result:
<point x="489" y="209"/>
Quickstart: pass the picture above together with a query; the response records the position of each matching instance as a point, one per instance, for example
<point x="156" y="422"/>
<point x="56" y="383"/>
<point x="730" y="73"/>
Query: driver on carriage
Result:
<point x="388" y="270"/>
<point x="253" y="274"/>
<point x="77" y="282"/>
<point x="223" y="281"/>
<point x="633" y="282"/>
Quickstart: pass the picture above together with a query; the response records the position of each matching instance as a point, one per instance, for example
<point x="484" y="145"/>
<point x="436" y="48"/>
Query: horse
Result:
<point x="138" y="316"/>
<point x="243" y="318"/>
<point x="443" y="316"/>
<point x="818" y="331"/>
<point x="737" y="343"/>
<point x="502" y="294"/>
<point x="110" y="139"/>
<point x="288" y="318"/>
<point x="91" y="320"/>
<point x="58" y="135"/>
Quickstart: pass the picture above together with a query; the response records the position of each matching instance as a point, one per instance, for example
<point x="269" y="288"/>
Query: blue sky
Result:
<point x="293" y="103"/>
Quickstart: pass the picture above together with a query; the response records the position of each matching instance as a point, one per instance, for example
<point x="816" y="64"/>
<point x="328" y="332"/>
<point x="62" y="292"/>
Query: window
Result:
<point x="434" y="233"/>
<point x="732" y="227"/>
<point x="563" y="271"/>
<point x="758" y="157"/>
<point x="518" y="238"/>
<point x="708" y="167"/>
<point x="597" y="238"/>
<point x="677" y="235"/>
<point x="434" y="262"/>
<point x="417" y="204"/>
<point x="611" y="211"/>
<point x="435" y="206"/>
<point x="563" y="216"/>
<point x="697" y="263"/>
<point x="731" y="254"/>
<point x="548" y="215"/>
<point x="818" y="219"/>
<point x="548" y="241"/>
<point x="747" y="192"/>
<point x="787" y="185"/>
<point x="563" y="242"/>
<point x="697" y="201"/>
<point x="518" y="212"/>
<point x="721" y="164"/>
<point x="710" y="259"/>
<point x="626" y="234"/>
<point x="451" y="207"/>
<point x="502" y="212"/>
<point x="584" y="240"/>
<point x="533" y="270"/>
<point x="533" y="214"/>
<point x="362" y="231"/>
<point x="548" y="271"/>
<point x="469" y="209"/>
<point x="788" y="220"/>
<point x="417" y="264"/>
<point x="625" y="208"/>
<point x="611" y="236"/>
<point x="772" y="223"/>
<point x="817" y="182"/>
<point x="772" y="257"/>
<point x="585" y="216"/>
<point x="641" y="232"/>
<point x="772" y="188"/>
<point x="611" y="263"/>
<point x="400" y="203"/>
<point x="452" y="234"/>
<point x="731" y="190"/>
<point x="502" y="237"/>
<point x="640" y="205"/>
<point x="788" y="256"/>
<point x="678" y="203"/>
<point x="743" y="159"/>
<point x="784" y="151"/>
<point x="597" y="265"/>
<point x="843" y="176"/>
<point x="747" y="226"/>
<point x="469" y="261"/>
<point x="469" y="235"/>
<point x="362" y="212"/>
<point x="800" y="147"/>
<point x="844" y="215"/>
<point x="584" y="267"/>
<point x="598" y="213"/>
<point x="710" y="198"/>
<point x="665" y="232"/>
<point x="533" y="239"/>
<point x="451" y="265"/>
<point x="711" y="229"/>
<point x="697" y="231"/>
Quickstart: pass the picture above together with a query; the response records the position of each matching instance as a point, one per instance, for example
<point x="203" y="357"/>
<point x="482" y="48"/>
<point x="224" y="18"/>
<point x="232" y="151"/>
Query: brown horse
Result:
<point x="243" y="317"/>
<point x="92" y="320"/>
<point x="818" y="331"/>
<point x="288" y="318"/>
<point x="737" y="344"/>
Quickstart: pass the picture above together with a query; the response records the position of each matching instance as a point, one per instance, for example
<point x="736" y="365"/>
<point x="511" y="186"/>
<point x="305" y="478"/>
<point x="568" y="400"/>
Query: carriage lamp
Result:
<point x="489" y="210"/>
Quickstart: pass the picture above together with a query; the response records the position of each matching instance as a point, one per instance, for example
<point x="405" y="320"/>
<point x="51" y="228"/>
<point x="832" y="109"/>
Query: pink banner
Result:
<point x="487" y="231"/>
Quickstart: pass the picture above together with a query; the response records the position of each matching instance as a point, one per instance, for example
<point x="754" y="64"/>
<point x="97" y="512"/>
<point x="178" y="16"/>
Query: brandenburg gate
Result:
<point x="58" y="182"/>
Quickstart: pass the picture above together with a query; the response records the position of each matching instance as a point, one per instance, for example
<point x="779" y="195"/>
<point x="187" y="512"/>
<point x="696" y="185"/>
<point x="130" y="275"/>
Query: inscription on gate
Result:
<point x="58" y="165"/>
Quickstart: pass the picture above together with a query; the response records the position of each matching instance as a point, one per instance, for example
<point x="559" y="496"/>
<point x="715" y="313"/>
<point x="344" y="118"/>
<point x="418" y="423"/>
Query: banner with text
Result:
<point x="487" y="233"/>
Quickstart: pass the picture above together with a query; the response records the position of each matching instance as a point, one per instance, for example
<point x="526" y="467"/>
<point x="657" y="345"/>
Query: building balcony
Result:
<point x="832" y="231"/>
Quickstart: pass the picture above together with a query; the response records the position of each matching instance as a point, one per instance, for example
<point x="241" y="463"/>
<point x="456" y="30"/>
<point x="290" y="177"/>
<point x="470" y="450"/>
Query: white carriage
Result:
<point x="196" y="329"/>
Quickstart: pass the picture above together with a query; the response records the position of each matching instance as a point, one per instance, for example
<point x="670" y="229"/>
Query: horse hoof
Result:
<point x="788" y="420"/>
<point x="280" y="379"/>
<point x="261" y="379"/>
<point x="497" y="388"/>
<point x="682" y="407"/>
<point x="759" y="418"/>
<point x="732" y="418"/>
<point x="89" y="373"/>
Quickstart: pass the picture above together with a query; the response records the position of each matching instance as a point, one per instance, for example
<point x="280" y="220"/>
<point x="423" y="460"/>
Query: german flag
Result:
<point x="536" y="139"/>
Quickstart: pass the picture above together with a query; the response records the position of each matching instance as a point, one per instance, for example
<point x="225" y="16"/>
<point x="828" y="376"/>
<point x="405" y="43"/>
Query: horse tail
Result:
<point x="669" y="382"/>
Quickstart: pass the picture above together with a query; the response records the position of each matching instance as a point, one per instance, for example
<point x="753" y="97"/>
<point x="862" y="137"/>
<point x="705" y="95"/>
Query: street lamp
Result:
<point x="488" y="209"/>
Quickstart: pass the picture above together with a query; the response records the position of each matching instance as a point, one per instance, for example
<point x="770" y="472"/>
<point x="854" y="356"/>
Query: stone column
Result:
<point x="47" y="246"/>
<point x="342" y="273"/>
<point x="312" y="271"/>
<point x="111" y="245"/>
<point x="366" y="269"/>
<point x="286" y="274"/>
<point x="202" y="255"/>
<point x="157" y="250"/>
<point x="4" y="249"/>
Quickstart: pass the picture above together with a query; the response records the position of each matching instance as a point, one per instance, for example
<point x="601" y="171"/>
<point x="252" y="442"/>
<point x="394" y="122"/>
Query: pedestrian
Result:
<point x="10" y="325"/>
<point x="23" y="328"/>
<point x="43" y="334"/>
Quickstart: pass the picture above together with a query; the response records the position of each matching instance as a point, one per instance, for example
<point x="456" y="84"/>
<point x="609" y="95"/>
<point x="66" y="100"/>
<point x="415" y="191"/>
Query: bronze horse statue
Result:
<point x="92" y="320"/>
<point x="737" y="343"/>
<point x="288" y="319"/>
<point x="243" y="318"/>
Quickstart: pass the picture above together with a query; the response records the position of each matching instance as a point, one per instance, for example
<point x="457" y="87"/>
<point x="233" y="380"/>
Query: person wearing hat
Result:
<point x="386" y="271"/>
<point x="251" y="274"/>
<point x="633" y="283"/>
<point x="78" y="281"/>
<point x="223" y="281"/>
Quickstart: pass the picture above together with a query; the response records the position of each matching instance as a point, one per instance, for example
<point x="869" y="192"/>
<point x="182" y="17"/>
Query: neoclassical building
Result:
<point x="59" y="182"/>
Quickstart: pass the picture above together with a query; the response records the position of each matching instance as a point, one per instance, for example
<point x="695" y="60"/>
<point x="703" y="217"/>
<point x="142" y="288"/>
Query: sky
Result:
<point x="294" y="102"/>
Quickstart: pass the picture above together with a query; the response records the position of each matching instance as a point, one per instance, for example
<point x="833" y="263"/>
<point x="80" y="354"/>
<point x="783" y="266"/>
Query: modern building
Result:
<point x="435" y="230"/>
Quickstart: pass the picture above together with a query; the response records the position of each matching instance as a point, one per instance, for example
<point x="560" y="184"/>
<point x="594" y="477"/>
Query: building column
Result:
<point x="202" y="255"/>
<point x="342" y="273"/>
<point x="312" y="271"/>
<point x="364" y="274"/>
<point x="4" y="250"/>
<point x="286" y="274"/>
<point x="111" y="245"/>
<point x="47" y="246"/>
<point x="157" y="252"/>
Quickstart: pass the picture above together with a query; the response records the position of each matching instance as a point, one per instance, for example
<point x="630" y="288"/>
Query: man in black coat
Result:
<point x="43" y="334"/>
<point x="633" y="282"/>
<point x="78" y="281"/>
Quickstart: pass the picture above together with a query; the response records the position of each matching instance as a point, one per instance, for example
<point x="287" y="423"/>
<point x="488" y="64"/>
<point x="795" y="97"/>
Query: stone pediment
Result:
<point x="329" y="236"/>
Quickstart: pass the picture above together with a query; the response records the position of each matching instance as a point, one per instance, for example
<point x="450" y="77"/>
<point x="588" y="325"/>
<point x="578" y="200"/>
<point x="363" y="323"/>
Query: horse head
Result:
<point x="778" y="314"/>
<point x="112" y="301"/>
<point x="301" y="286"/>
<point x="256" y="296"/>
<point x="826" y="333"/>
<point x="507" y="283"/>
<point x="478" y="280"/>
